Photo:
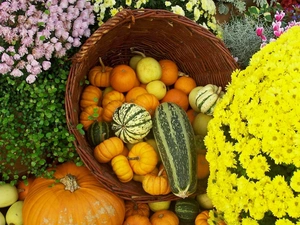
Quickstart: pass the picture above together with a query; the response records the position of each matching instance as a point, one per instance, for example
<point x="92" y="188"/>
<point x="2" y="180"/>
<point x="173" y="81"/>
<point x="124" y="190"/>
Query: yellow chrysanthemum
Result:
<point x="255" y="135"/>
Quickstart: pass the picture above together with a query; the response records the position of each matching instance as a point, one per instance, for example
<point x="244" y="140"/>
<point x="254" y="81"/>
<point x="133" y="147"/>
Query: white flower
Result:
<point x="178" y="10"/>
<point x="167" y="3"/>
<point x="209" y="6"/>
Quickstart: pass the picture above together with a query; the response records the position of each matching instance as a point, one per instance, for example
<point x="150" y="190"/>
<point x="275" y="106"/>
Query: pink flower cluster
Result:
<point x="34" y="31"/>
<point x="277" y="28"/>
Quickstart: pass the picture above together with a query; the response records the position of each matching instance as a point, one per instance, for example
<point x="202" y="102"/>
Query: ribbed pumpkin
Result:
<point x="91" y="95"/>
<point x="112" y="96"/>
<point x="131" y="122"/>
<point x="142" y="158"/>
<point x="109" y="148"/>
<point x="148" y="101"/>
<point x="133" y="208"/>
<point x="156" y="184"/>
<point x="137" y="220"/>
<point x="99" y="75"/>
<point x="109" y="110"/>
<point x="122" y="169"/>
<point x="73" y="196"/>
<point x="202" y="218"/>
<point x="89" y="115"/>
<point x="164" y="217"/>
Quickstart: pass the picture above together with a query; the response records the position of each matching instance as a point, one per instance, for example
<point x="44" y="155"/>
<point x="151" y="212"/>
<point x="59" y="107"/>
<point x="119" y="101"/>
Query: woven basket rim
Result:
<point x="81" y="61"/>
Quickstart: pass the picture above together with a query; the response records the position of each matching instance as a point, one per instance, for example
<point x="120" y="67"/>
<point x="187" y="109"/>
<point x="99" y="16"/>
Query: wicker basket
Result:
<point x="160" y="34"/>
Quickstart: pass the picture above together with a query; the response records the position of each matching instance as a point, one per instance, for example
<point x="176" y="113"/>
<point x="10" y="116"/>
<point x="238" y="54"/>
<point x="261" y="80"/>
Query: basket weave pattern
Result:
<point x="159" y="34"/>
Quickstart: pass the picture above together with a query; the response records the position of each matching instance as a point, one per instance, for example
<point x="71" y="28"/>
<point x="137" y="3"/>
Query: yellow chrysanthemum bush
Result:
<point x="253" y="141"/>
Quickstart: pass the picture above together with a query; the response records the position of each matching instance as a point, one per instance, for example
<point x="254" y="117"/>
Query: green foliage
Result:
<point x="33" y="122"/>
<point x="239" y="35"/>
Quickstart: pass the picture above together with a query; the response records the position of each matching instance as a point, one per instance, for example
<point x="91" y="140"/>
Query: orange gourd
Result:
<point x="169" y="71"/>
<point x="121" y="168"/>
<point x="109" y="110"/>
<point x="178" y="97"/>
<point x="137" y="220"/>
<point x="99" y="75"/>
<point x="73" y="196"/>
<point x="91" y="95"/>
<point x="107" y="149"/>
<point x="202" y="166"/>
<point x="23" y="187"/>
<point x="148" y="101"/>
<point x="142" y="158"/>
<point x="140" y="178"/>
<point x="122" y="78"/>
<point x="156" y="184"/>
<point x="90" y="114"/>
<point x="164" y="217"/>
<point x="185" y="84"/>
<point x="134" y="208"/>
<point x="112" y="96"/>
<point x="134" y="93"/>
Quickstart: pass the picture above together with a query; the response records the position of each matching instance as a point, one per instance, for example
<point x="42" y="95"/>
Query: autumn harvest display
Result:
<point x="166" y="122"/>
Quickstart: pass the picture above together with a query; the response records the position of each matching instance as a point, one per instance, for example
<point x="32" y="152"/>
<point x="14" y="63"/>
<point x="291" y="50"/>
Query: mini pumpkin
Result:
<point x="91" y="95"/>
<point x="137" y="220"/>
<point x="162" y="217"/>
<point x="109" y="110"/>
<point x="73" y="196"/>
<point x="156" y="184"/>
<point x="134" y="93"/>
<point x="109" y="148"/>
<point x="112" y="96"/>
<point x="148" y="101"/>
<point x="122" y="78"/>
<point x="23" y="187"/>
<point x="142" y="158"/>
<point x="133" y="208"/>
<point x="122" y="169"/>
<point x="89" y="115"/>
<point x="99" y="75"/>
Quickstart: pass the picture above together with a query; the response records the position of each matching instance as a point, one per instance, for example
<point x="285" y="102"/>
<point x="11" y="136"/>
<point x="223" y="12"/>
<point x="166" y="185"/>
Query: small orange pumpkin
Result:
<point x="122" y="169"/>
<point x="109" y="148"/>
<point x="122" y="78"/>
<point x="156" y="184"/>
<point x="73" y="196"/>
<point x="137" y="220"/>
<point x="112" y="96"/>
<point x="91" y="95"/>
<point x="142" y="158"/>
<point x="162" y="217"/>
<point x="133" y="208"/>
<point x="139" y="178"/>
<point x="148" y="101"/>
<point x="99" y="75"/>
<point x="109" y="110"/>
<point x="23" y="187"/>
<point x="133" y="93"/>
<point x="90" y="114"/>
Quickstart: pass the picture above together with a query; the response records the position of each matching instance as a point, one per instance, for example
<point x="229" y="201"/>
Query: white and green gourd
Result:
<point x="131" y="122"/>
<point x="207" y="98"/>
<point x="175" y="141"/>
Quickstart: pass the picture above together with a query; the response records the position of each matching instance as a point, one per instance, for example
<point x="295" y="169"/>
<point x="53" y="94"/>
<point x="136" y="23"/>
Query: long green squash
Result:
<point x="175" y="140"/>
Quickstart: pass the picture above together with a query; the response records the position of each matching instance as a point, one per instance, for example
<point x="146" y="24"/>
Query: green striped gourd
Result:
<point x="175" y="141"/>
<point x="98" y="131"/>
<point x="187" y="209"/>
<point x="207" y="98"/>
<point x="131" y="122"/>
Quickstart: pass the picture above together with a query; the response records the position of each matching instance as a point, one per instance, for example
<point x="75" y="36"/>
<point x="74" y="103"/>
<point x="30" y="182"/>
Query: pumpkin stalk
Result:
<point x="70" y="183"/>
<point x="133" y="158"/>
<point x="102" y="65"/>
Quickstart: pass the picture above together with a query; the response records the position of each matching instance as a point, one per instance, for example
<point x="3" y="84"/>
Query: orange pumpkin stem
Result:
<point x="70" y="183"/>
<point x="133" y="158"/>
<point x="102" y="65"/>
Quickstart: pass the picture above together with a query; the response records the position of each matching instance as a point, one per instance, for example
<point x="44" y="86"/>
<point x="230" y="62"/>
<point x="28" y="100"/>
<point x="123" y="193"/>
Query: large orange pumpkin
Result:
<point x="74" y="196"/>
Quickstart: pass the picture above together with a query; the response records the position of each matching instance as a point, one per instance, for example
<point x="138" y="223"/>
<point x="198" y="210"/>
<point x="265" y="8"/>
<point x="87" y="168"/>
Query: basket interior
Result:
<point x="156" y="33"/>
